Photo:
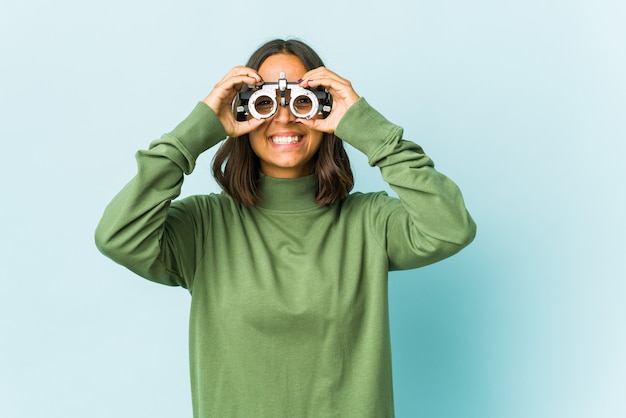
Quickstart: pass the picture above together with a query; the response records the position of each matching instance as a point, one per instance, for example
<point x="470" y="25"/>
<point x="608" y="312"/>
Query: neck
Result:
<point x="287" y="195"/>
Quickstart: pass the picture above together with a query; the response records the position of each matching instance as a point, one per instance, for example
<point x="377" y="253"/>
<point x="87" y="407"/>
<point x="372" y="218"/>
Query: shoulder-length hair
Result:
<point x="236" y="167"/>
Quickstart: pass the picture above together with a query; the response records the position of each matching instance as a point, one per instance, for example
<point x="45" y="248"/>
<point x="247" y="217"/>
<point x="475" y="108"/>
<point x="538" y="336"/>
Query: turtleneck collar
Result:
<point x="287" y="195"/>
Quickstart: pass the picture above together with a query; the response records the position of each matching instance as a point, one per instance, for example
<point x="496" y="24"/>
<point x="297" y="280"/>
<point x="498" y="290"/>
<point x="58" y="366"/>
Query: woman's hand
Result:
<point x="221" y="100"/>
<point x="343" y="94"/>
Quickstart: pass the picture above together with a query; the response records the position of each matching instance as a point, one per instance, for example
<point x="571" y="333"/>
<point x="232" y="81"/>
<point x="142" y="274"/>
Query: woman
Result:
<point x="287" y="271"/>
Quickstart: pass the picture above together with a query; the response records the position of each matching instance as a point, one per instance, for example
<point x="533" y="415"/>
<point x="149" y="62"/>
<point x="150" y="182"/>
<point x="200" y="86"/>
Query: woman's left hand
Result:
<point x="343" y="94"/>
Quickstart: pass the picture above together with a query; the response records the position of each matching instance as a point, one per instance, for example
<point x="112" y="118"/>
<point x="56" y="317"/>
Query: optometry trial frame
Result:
<point x="261" y="102"/>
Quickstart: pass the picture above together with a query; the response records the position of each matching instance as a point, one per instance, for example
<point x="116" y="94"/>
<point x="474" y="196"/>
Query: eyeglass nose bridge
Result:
<point x="282" y="89"/>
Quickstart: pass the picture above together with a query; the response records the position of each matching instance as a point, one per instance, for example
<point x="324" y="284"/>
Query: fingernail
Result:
<point x="300" y="81"/>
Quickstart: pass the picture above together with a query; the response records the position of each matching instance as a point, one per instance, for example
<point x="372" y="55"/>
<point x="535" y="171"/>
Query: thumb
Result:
<point x="248" y="126"/>
<point x="316" y="124"/>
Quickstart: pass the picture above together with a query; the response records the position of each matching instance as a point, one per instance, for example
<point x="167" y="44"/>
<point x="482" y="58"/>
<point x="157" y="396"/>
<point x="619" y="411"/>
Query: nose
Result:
<point x="284" y="115"/>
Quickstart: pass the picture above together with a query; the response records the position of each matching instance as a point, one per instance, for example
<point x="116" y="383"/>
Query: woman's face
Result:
<point x="285" y="148"/>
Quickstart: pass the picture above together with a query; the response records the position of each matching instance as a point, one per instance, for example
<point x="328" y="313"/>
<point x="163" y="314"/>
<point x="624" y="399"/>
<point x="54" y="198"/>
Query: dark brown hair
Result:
<point x="237" y="169"/>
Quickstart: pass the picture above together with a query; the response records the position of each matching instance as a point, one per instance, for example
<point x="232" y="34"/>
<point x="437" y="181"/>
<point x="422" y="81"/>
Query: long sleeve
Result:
<point x="133" y="230"/>
<point x="430" y="221"/>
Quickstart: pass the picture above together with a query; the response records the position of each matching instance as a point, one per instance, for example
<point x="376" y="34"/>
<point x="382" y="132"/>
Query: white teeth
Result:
<point x="285" y="139"/>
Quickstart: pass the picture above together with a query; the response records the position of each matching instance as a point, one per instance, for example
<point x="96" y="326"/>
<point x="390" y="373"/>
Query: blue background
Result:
<point x="522" y="103"/>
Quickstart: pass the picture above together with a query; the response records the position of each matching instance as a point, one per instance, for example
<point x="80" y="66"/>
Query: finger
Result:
<point x="235" y="82"/>
<point x="322" y="73"/>
<point x="333" y="85"/>
<point x="343" y="95"/>
<point x="324" y="81"/>
<point x="236" y="78"/>
<point x="226" y="89"/>
<point x="241" y="71"/>
<point x="338" y="87"/>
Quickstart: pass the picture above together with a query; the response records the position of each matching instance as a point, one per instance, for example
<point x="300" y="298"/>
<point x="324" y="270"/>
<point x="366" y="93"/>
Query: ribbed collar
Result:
<point x="287" y="195"/>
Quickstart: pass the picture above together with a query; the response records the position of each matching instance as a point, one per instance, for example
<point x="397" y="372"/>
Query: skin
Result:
<point x="282" y="160"/>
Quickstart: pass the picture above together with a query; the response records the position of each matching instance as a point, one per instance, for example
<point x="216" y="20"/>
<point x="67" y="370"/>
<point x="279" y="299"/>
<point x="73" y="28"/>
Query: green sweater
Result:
<point x="289" y="314"/>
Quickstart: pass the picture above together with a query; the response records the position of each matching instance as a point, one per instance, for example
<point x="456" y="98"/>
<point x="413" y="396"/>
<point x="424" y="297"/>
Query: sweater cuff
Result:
<point x="366" y="129"/>
<point x="200" y="130"/>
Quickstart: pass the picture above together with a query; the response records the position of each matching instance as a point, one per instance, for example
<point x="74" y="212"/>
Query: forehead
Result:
<point x="273" y="65"/>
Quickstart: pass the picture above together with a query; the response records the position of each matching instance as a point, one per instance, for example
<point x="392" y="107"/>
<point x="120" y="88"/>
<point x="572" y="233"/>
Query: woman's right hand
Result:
<point x="221" y="100"/>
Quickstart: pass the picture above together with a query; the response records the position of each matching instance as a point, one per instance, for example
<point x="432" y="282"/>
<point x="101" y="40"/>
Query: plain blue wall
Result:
<point x="522" y="103"/>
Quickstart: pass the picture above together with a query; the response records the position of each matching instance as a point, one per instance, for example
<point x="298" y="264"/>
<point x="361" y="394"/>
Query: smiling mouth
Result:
<point x="284" y="140"/>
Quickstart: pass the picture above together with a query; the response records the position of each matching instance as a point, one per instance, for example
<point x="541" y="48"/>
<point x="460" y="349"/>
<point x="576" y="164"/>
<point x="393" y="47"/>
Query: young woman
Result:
<point x="286" y="268"/>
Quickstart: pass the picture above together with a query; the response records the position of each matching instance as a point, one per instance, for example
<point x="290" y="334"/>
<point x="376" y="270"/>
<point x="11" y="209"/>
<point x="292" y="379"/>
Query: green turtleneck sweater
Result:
<point x="289" y="310"/>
